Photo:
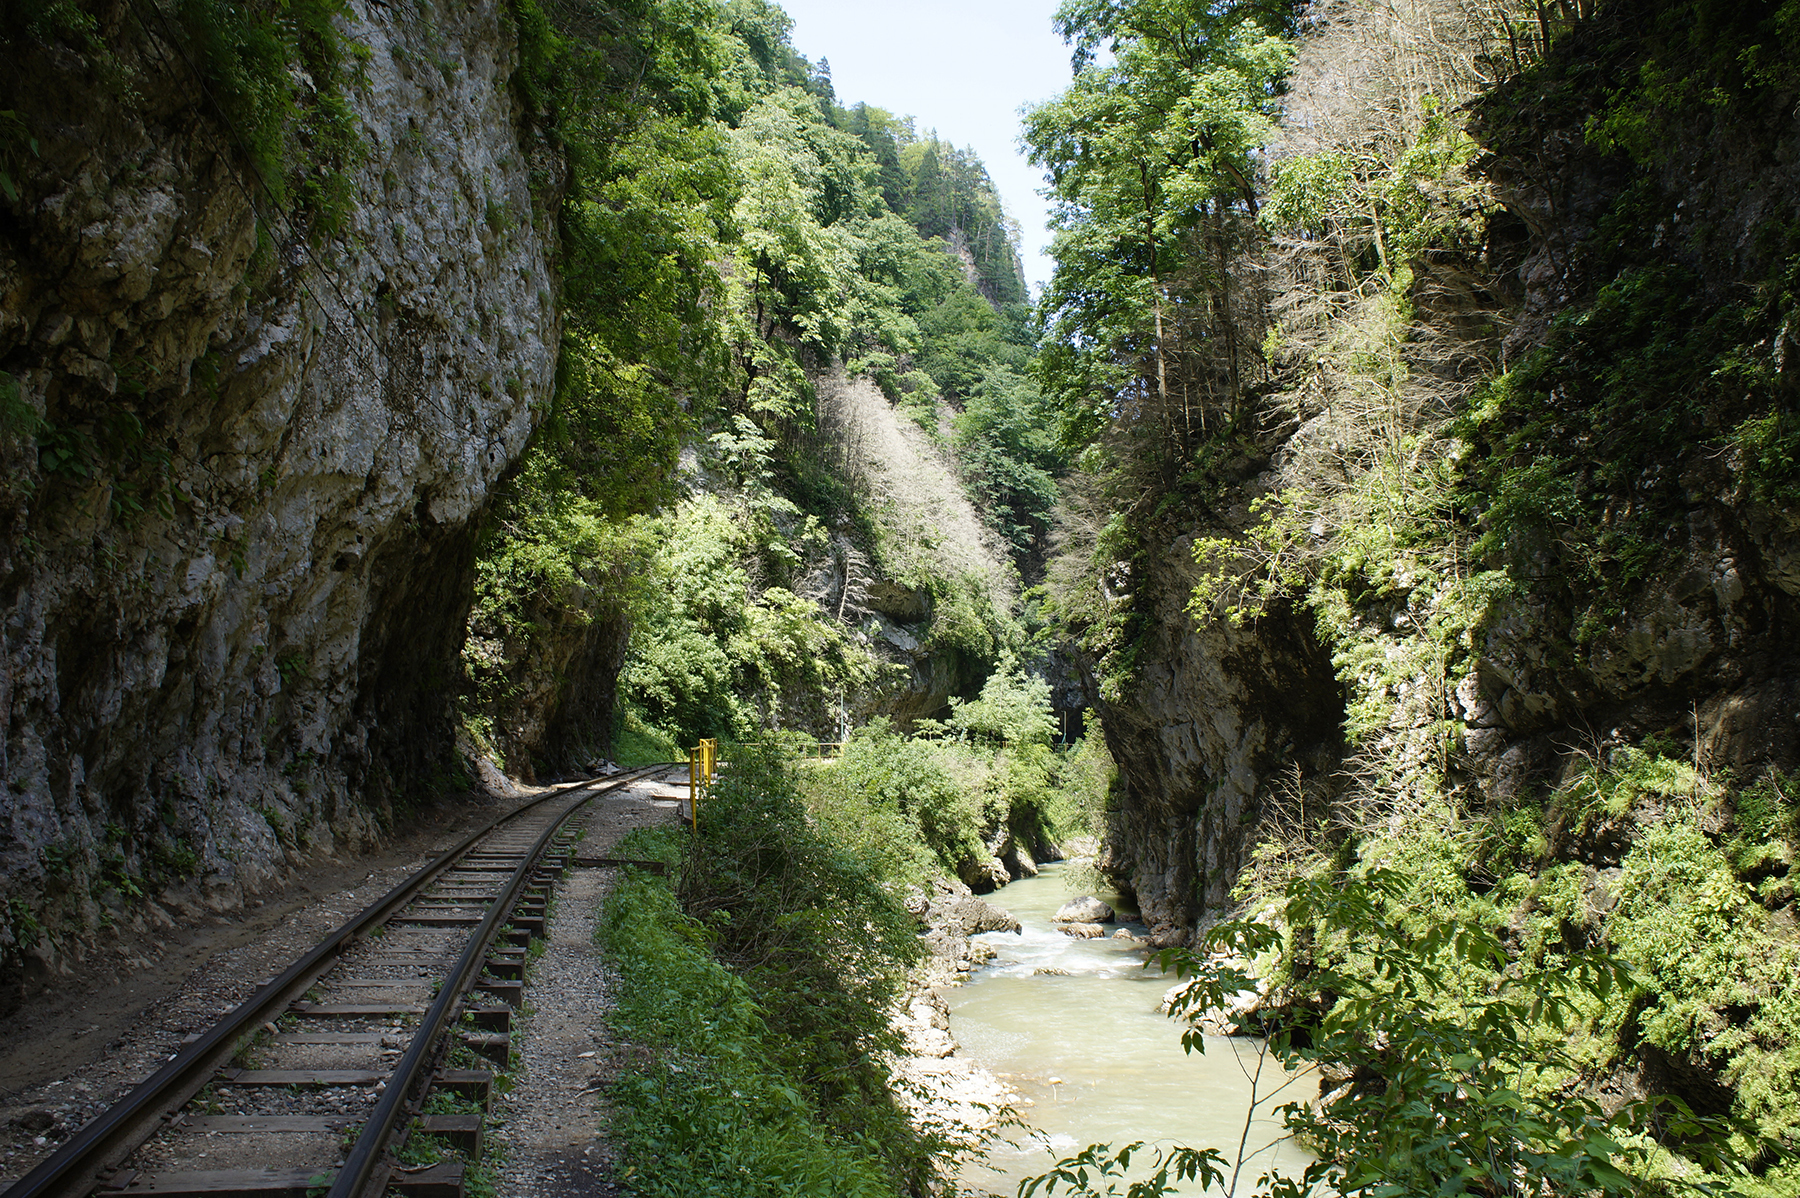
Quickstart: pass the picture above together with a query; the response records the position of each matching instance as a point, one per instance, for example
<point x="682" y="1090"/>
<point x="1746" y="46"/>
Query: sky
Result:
<point x="962" y="67"/>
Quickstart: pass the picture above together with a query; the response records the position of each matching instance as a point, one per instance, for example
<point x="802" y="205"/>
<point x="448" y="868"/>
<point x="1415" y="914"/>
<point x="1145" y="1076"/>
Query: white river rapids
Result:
<point x="1097" y="1061"/>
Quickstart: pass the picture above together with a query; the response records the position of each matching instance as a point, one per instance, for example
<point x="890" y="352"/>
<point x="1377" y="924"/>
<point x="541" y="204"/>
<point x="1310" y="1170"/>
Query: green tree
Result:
<point x="1005" y="438"/>
<point x="1148" y="157"/>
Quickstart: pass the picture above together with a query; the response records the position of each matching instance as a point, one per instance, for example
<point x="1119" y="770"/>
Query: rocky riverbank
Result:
<point x="950" y="1097"/>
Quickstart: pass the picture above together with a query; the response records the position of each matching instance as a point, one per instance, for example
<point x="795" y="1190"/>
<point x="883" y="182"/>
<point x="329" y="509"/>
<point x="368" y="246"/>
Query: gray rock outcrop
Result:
<point x="238" y="549"/>
<point x="949" y="914"/>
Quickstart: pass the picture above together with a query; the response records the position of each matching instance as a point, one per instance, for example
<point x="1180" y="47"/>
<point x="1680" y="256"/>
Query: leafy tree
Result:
<point x="876" y="128"/>
<point x="1453" y="1056"/>
<point x="1005" y="439"/>
<point x="1148" y="157"/>
<point x="890" y="772"/>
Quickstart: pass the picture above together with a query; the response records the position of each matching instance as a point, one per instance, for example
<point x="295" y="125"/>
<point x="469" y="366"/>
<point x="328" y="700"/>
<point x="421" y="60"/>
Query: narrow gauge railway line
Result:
<point x="328" y="1068"/>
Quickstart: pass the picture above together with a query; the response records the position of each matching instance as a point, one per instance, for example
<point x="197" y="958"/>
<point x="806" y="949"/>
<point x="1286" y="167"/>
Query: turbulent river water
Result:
<point x="1090" y="1051"/>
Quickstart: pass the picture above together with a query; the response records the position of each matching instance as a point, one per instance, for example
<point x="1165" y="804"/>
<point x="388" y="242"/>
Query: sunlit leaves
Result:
<point x="1140" y="151"/>
<point x="1452" y="1053"/>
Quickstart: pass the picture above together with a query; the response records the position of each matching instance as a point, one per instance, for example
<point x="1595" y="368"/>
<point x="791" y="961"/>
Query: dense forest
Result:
<point x="1396" y="481"/>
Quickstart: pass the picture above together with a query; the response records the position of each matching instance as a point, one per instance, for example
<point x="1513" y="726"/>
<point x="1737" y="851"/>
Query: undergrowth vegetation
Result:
<point x="757" y="982"/>
<point x="954" y="794"/>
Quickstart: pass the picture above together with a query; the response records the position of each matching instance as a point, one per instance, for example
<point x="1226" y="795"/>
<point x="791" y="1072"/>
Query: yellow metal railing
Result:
<point x="703" y="766"/>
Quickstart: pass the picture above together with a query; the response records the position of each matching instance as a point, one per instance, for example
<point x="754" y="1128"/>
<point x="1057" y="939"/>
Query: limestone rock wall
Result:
<point x="235" y="562"/>
<point x="1216" y="716"/>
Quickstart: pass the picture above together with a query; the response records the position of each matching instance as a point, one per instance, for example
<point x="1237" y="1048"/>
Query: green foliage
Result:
<point x="638" y="743"/>
<point x="1145" y="351"/>
<point x="1686" y="913"/>
<point x="1718" y="974"/>
<point x="1097" y="1163"/>
<point x="1241" y="577"/>
<point x="1005" y="440"/>
<point x="1086" y="782"/>
<point x="559" y="565"/>
<point x="1702" y="56"/>
<point x="1585" y="450"/>
<point x="1454" y="1053"/>
<point x="1013" y="708"/>
<point x="111" y="448"/>
<point x="1392" y="198"/>
<point x="302" y="142"/>
<point x="948" y="194"/>
<point x="1628" y="777"/>
<point x="273" y="74"/>
<point x="1146" y="154"/>
<point x="724" y="232"/>
<point x="1770" y="445"/>
<point x="934" y="799"/>
<point x="761" y="995"/>
<point x="891" y="774"/>
<point x="1601" y="499"/>
<point x="717" y="655"/>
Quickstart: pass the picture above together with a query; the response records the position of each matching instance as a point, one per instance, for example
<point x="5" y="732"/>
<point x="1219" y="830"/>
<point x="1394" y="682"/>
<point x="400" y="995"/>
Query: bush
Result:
<point x="706" y="1111"/>
<point x="1085" y="783"/>
<point x="767" y="916"/>
<point x="889" y="774"/>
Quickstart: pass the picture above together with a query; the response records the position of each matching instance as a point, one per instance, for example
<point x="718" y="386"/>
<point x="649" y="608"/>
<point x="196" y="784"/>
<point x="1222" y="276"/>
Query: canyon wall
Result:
<point x="245" y="459"/>
<point x="1592" y="553"/>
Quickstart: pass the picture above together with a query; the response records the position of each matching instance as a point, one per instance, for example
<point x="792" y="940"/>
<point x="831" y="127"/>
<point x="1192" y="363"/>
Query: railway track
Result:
<point x="384" y="1037"/>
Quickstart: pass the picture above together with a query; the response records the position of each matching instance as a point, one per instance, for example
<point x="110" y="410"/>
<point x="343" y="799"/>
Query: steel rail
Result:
<point x="360" y="1166"/>
<point x="73" y="1170"/>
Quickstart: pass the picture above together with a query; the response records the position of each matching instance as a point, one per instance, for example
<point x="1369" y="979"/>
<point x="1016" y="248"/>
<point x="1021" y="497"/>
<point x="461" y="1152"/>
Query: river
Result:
<point x="1092" y="1054"/>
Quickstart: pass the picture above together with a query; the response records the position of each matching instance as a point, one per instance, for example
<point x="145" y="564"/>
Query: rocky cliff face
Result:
<point x="1657" y="599"/>
<point x="1665" y="252"/>
<point x="244" y="466"/>
<point x="1217" y="718"/>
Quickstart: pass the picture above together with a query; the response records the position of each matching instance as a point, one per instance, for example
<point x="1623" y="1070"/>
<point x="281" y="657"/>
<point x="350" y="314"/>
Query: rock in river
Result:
<point x="1086" y="909"/>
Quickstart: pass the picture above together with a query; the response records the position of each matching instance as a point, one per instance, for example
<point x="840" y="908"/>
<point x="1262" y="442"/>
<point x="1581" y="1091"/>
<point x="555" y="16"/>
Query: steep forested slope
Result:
<point x="1436" y="511"/>
<point x="736" y="239"/>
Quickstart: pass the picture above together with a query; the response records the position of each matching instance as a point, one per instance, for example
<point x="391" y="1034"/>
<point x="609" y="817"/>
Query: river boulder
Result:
<point x="1086" y="909"/>
<point x="950" y="913"/>
<point x="1082" y="931"/>
<point x="983" y="875"/>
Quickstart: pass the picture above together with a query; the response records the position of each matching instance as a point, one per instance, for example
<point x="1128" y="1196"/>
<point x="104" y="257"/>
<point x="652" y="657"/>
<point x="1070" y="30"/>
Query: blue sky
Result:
<point x="963" y="68"/>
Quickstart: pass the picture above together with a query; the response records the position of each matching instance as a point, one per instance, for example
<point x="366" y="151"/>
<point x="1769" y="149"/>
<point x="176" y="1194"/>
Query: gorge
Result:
<point x="1393" y="489"/>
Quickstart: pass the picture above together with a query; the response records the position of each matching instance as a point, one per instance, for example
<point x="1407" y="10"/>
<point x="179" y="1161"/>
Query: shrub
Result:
<point x="767" y="916"/>
<point x="890" y="773"/>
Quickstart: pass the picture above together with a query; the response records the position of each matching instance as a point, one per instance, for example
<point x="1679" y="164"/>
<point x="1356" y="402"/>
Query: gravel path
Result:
<point x="552" y="1124"/>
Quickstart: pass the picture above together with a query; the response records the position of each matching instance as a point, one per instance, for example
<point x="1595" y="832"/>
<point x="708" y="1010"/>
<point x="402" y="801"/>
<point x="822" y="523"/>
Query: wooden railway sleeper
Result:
<point x="94" y="1159"/>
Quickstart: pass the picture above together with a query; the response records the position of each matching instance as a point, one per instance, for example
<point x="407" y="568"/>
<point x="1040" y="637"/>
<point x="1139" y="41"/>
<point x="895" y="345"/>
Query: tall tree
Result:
<point x="1149" y="159"/>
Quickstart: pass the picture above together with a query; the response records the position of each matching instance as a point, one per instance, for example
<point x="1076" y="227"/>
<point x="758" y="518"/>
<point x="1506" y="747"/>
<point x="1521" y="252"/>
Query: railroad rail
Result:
<point x="431" y="971"/>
